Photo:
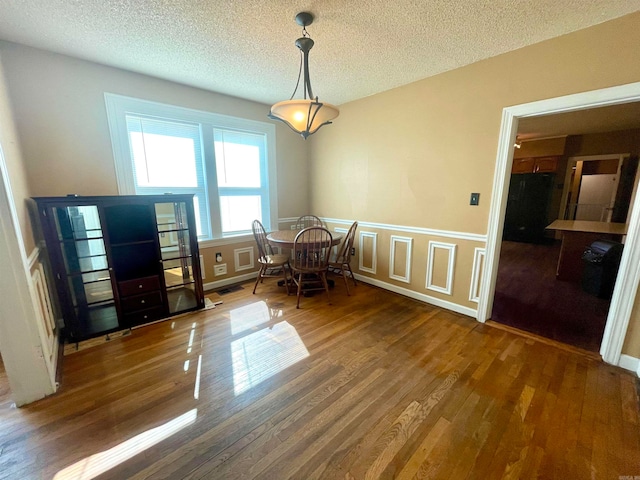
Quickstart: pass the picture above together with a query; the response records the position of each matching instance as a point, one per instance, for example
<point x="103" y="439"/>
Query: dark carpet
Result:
<point x="529" y="297"/>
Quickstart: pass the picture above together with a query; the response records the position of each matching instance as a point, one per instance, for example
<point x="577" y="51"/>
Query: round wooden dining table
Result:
<point x="285" y="238"/>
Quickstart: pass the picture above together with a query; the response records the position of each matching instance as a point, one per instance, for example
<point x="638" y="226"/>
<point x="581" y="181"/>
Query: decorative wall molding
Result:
<point x="477" y="237"/>
<point x="287" y="219"/>
<point x="236" y="254"/>
<point x="33" y="257"/>
<point x="229" y="281"/>
<point x="408" y="241"/>
<point x="451" y="249"/>
<point x="630" y="363"/>
<point x="476" y="273"/>
<point x="418" y="296"/>
<point x="45" y="317"/>
<point x="374" y="252"/>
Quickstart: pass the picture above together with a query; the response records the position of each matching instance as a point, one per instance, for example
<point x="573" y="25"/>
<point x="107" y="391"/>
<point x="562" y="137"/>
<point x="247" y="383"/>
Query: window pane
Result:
<point x="165" y="154"/>
<point x="237" y="158"/>
<point x="238" y="212"/>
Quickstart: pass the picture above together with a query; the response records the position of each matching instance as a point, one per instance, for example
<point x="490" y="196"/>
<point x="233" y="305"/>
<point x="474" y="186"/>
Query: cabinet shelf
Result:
<point x="137" y="242"/>
<point x="79" y="273"/>
<point x="173" y="230"/>
<point x="173" y="259"/>
<point x="101" y="303"/>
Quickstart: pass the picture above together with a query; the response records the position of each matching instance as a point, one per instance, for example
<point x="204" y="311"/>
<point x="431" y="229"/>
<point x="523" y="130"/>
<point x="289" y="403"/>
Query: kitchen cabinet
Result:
<point x="120" y="261"/>
<point x="535" y="165"/>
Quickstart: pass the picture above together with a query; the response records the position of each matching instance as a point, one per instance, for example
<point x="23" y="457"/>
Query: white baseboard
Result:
<point x="229" y="281"/>
<point x="630" y="363"/>
<point x="419" y="296"/>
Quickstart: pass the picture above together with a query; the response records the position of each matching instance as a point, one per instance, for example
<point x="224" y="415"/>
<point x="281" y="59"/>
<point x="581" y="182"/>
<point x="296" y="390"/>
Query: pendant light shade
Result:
<point x="304" y="116"/>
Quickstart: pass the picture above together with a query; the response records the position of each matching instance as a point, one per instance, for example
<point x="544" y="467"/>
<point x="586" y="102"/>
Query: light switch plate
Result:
<point x="475" y="199"/>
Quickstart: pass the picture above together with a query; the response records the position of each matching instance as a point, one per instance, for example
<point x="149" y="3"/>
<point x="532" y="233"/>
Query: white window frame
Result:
<point x="119" y="106"/>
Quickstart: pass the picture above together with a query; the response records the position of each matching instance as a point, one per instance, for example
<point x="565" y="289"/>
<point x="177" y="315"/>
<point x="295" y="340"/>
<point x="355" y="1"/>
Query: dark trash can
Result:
<point x="601" y="262"/>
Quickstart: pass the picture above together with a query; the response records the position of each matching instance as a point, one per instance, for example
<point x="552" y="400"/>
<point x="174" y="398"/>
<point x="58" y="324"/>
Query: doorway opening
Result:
<point x="628" y="278"/>
<point x="543" y="284"/>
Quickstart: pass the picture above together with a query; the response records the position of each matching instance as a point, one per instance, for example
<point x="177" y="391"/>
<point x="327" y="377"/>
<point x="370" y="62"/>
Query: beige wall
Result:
<point x="62" y="122"/>
<point x="14" y="161"/>
<point x="412" y="156"/>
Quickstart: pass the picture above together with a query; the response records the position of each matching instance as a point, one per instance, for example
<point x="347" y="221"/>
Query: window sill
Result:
<point x="216" y="242"/>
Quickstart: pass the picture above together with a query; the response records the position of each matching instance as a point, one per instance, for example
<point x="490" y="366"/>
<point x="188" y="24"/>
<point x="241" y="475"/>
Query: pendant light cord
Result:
<point x="298" y="82"/>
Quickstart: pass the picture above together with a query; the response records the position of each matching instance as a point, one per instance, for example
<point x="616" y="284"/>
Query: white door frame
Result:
<point x="626" y="285"/>
<point x="27" y="371"/>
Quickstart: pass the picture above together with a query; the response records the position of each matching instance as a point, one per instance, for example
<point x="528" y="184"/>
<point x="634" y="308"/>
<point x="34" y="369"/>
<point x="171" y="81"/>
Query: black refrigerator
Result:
<point x="528" y="204"/>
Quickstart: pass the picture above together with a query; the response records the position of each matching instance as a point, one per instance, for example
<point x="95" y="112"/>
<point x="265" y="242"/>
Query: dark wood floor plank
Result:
<point x="373" y="386"/>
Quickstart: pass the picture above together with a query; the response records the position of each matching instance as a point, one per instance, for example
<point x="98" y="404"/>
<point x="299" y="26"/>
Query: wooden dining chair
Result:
<point x="311" y="251"/>
<point x="342" y="261"/>
<point x="308" y="221"/>
<point x="271" y="264"/>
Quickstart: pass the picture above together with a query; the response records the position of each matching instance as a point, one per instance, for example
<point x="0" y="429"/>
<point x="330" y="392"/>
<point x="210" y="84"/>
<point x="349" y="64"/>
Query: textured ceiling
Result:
<point x="246" y="48"/>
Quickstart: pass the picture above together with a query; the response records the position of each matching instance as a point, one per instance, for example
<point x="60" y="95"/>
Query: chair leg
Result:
<point x="323" y="275"/>
<point x="286" y="280"/>
<point x="258" y="278"/>
<point x="344" y="277"/>
<point x="299" y="289"/>
<point x="352" y="276"/>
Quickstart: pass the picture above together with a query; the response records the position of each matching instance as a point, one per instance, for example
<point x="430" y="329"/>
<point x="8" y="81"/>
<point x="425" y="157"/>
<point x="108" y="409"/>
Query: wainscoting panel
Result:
<point x="476" y="274"/>
<point x="244" y="259"/>
<point x="368" y="261"/>
<point x="432" y="263"/>
<point x="46" y="320"/>
<point x="400" y="258"/>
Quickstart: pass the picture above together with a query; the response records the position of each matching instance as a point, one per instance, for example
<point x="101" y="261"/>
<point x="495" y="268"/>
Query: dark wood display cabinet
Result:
<point x="120" y="261"/>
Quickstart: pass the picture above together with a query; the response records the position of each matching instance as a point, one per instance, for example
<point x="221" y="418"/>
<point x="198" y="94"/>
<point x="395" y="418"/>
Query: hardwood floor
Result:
<point x="374" y="386"/>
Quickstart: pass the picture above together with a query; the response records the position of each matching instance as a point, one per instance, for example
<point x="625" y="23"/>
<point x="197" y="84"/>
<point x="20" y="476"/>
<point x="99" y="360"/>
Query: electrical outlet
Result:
<point x="220" y="269"/>
<point x="293" y="227"/>
<point x="353" y="250"/>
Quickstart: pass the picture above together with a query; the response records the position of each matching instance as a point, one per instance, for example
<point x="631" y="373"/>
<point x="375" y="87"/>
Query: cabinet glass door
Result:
<point x="87" y="271"/>
<point x="177" y="258"/>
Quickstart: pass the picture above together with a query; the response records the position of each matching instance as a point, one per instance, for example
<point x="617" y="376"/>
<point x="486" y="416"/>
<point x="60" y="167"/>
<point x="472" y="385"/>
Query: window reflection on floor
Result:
<point x="99" y="463"/>
<point x="249" y="316"/>
<point x="264" y="353"/>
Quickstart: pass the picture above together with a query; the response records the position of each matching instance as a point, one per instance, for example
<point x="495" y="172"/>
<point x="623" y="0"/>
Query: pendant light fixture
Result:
<point x="305" y="116"/>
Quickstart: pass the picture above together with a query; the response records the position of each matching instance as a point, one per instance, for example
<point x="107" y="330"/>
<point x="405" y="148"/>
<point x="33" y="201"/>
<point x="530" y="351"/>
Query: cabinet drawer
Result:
<point x="140" y="302"/>
<point x="144" y="316"/>
<point x="139" y="285"/>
